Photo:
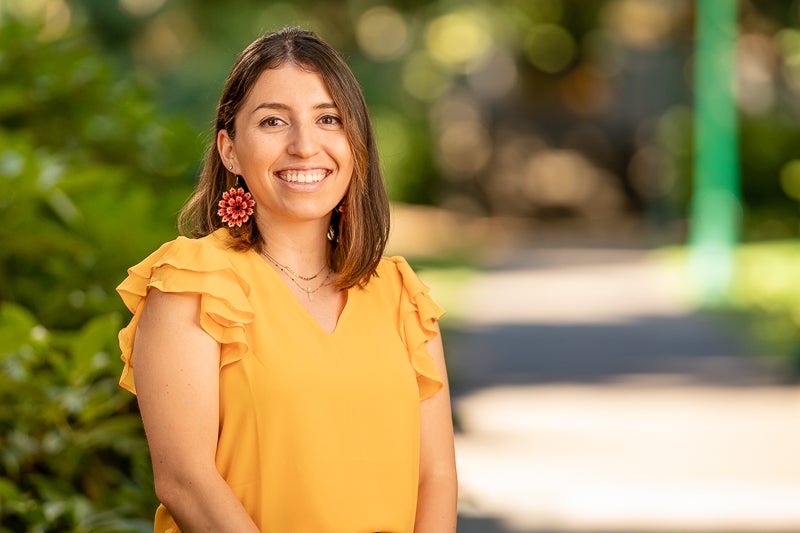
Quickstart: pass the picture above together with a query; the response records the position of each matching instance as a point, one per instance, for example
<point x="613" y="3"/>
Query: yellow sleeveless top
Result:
<point x="318" y="431"/>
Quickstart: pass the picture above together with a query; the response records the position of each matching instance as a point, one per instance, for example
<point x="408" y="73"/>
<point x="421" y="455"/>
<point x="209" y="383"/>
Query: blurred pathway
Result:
<point x="591" y="400"/>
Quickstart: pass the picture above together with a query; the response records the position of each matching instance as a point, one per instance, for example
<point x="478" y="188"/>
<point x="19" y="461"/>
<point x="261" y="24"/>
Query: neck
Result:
<point x="302" y="246"/>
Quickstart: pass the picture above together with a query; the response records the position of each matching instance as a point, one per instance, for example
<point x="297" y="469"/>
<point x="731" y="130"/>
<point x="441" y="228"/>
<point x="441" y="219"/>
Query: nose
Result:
<point x="303" y="142"/>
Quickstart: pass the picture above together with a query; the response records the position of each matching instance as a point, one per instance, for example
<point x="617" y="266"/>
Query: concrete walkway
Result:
<point x="590" y="399"/>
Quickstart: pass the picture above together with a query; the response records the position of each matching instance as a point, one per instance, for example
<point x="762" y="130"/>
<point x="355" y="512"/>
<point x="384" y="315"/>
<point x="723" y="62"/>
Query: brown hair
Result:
<point x="358" y="236"/>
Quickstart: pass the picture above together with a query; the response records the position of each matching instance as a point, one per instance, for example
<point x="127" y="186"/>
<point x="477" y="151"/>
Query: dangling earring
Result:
<point x="336" y="218"/>
<point x="236" y="206"/>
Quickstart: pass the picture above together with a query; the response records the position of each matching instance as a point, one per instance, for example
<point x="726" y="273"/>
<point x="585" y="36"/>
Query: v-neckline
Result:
<point x="295" y="301"/>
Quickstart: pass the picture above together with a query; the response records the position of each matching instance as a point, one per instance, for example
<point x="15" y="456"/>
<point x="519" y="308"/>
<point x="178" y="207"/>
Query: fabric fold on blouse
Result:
<point x="188" y="266"/>
<point x="418" y="317"/>
<point x="319" y="431"/>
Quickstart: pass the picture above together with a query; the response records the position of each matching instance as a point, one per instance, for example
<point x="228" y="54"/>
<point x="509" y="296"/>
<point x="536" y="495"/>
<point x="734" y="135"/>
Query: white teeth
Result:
<point x="306" y="176"/>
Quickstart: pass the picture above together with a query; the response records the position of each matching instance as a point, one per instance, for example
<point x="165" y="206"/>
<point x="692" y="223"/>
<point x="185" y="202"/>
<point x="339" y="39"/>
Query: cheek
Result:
<point x="347" y="157"/>
<point x="346" y="154"/>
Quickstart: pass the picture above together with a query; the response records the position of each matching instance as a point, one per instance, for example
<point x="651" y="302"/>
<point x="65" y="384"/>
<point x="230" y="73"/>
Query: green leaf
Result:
<point x="17" y="327"/>
<point x="92" y="345"/>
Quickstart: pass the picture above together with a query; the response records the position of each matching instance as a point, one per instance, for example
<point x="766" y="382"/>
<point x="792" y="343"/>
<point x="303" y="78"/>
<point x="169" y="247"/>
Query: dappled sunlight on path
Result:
<point x="631" y="458"/>
<point x="590" y="398"/>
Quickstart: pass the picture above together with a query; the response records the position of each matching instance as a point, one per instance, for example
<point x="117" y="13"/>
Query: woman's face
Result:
<point x="290" y="146"/>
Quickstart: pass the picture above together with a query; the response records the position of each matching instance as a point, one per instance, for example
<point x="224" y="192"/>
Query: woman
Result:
<point x="290" y="378"/>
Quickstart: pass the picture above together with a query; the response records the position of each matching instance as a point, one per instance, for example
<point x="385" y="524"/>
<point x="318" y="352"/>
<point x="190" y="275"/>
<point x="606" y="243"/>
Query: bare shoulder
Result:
<point x="170" y="323"/>
<point x="170" y="342"/>
<point x="170" y="308"/>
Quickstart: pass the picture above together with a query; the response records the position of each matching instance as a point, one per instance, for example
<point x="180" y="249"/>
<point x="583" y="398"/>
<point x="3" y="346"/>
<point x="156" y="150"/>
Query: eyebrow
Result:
<point x="284" y="107"/>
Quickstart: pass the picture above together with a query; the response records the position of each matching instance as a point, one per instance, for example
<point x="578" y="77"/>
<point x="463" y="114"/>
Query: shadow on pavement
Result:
<point x="691" y="348"/>
<point x="590" y="396"/>
<point x="485" y="525"/>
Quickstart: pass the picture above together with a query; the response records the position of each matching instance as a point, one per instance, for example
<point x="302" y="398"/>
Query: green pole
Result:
<point x="715" y="207"/>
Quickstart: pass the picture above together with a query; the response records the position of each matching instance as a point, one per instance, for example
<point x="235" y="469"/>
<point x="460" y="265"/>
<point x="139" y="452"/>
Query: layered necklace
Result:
<point x="295" y="277"/>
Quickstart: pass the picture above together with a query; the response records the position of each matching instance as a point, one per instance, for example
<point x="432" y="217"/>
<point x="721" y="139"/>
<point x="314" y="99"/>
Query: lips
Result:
<point x="303" y="176"/>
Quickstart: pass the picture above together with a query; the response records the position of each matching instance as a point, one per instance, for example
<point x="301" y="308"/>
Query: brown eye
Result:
<point x="331" y="120"/>
<point x="271" y="122"/>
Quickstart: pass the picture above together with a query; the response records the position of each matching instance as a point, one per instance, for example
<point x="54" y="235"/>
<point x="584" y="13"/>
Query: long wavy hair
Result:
<point x="357" y="235"/>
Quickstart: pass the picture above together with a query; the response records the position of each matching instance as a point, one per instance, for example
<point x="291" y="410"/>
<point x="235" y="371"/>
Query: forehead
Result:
<point x="289" y="84"/>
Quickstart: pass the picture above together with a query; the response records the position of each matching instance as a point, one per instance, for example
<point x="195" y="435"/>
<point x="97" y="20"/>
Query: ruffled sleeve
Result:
<point x="418" y="317"/>
<point x="200" y="266"/>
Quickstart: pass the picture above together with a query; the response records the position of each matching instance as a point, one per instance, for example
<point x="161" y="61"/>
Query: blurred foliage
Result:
<point x="546" y="109"/>
<point x="72" y="453"/>
<point x="187" y="47"/>
<point x="768" y="144"/>
<point x="764" y="302"/>
<point x="766" y="287"/>
<point x="84" y="152"/>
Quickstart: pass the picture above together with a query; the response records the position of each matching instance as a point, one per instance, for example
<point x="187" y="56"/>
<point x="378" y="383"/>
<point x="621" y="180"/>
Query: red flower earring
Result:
<point x="236" y="206"/>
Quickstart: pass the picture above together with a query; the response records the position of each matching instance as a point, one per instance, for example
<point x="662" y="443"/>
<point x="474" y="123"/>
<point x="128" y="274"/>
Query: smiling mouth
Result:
<point x="303" y="176"/>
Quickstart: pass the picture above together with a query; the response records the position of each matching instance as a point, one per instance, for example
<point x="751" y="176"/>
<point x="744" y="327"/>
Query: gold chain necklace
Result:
<point x="291" y="275"/>
<point x="288" y="271"/>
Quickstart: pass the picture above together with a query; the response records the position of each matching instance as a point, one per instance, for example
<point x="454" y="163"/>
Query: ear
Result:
<point x="227" y="151"/>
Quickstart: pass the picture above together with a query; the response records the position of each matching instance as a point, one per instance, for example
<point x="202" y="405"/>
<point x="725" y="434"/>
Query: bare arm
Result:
<point x="438" y="485"/>
<point x="176" y="370"/>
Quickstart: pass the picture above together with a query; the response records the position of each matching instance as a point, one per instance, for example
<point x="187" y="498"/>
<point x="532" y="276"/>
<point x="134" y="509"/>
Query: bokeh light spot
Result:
<point x="382" y="33"/>
<point x="141" y="8"/>
<point x="12" y="163"/>
<point x="393" y="136"/>
<point x="458" y="39"/>
<point x="279" y="14"/>
<point x="642" y="23"/>
<point x="495" y="76"/>
<point x="755" y="65"/>
<point x="550" y="48"/>
<point x="163" y="42"/>
<point x="790" y="179"/>
<point x="542" y="11"/>
<point x="600" y="49"/>
<point x="788" y="41"/>
<point x="57" y="17"/>
<point x="463" y="142"/>
<point x="464" y="148"/>
<point x="423" y="78"/>
<point x="585" y="92"/>
<point x="557" y="178"/>
<point x="674" y="130"/>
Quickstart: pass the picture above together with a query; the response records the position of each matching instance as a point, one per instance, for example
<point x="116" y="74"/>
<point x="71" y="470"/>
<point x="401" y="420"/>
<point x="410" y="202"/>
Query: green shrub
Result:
<point x="91" y="175"/>
<point x="72" y="453"/>
<point x="766" y="287"/>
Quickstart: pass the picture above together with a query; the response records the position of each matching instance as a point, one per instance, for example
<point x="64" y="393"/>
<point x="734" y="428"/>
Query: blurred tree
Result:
<point x="568" y="96"/>
<point x="188" y="46"/>
<point x="92" y="174"/>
